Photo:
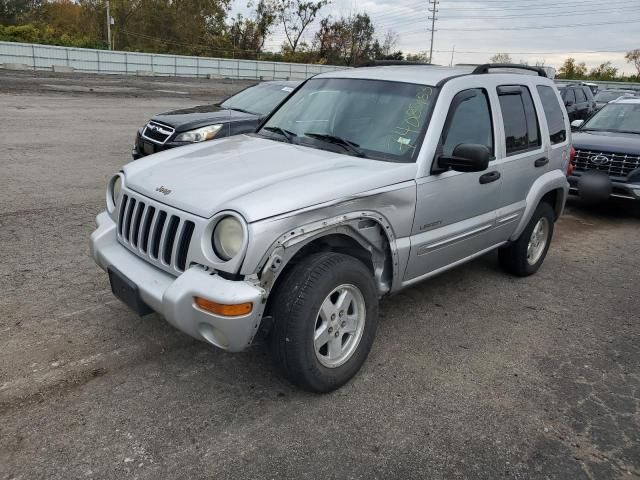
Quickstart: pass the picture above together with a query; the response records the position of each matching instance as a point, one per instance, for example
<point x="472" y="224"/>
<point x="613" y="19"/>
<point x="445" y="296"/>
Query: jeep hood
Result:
<point x="257" y="177"/>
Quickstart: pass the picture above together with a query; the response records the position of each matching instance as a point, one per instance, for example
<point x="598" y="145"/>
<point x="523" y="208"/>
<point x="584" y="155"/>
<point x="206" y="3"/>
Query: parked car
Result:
<point x="605" y="96"/>
<point x="240" y="113"/>
<point x="607" y="161"/>
<point x="363" y="183"/>
<point x="578" y="100"/>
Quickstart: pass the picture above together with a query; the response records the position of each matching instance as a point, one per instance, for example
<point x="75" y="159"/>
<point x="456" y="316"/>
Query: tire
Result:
<point x="298" y="319"/>
<point x="514" y="258"/>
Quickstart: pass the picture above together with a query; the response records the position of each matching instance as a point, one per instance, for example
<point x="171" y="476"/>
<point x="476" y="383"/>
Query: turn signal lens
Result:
<point x="222" y="309"/>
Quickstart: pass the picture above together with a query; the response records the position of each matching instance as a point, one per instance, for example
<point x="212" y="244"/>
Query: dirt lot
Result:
<point x="473" y="375"/>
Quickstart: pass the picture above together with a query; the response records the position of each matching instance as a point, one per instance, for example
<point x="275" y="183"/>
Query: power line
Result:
<point x="544" y="27"/>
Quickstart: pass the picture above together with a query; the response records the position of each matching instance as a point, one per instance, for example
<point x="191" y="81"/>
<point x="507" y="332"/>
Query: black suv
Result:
<point x="579" y="101"/>
<point x="240" y="113"/>
<point x="607" y="159"/>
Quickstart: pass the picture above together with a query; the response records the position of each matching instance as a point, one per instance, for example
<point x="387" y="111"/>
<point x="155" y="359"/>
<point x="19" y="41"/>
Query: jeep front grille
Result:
<point x="613" y="164"/>
<point x="157" y="132"/>
<point x="149" y="231"/>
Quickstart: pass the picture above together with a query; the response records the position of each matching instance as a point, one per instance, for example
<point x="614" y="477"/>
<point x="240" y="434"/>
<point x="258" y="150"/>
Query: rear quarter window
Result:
<point x="553" y="114"/>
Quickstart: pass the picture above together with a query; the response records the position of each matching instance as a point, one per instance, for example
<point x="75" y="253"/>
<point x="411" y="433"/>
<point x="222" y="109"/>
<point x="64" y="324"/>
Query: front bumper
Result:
<point x="173" y="297"/>
<point x="139" y="150"/>
<point x="619" y="189"/>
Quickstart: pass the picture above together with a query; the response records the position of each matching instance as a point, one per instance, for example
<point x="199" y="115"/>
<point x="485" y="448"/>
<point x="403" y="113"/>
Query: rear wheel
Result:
<point x="525" y="256"/>
<point x="325" y="316"/>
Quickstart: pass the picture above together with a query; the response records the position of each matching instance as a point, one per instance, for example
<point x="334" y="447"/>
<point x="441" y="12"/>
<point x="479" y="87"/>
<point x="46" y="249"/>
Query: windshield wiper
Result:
<point x="346" y="144"/>
<point x="288" y="135"/>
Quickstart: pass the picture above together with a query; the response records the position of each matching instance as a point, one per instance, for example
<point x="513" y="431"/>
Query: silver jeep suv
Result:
<point x="362" y="183"/>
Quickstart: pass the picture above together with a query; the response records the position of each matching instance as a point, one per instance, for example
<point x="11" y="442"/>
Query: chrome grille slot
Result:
<point x="183" y="245"/>
<point x="159" y="234"/>
<point x="170" y="238"/>
<point x="126" y="230"/>
<point x="135" y="229"/>
<point x="146" y="228"/>
<point x="616" y="164"/>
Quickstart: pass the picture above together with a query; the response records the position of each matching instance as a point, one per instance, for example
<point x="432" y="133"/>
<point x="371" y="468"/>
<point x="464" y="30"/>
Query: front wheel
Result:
<point x="325" y="317"/>
<point x="525" y="256"/>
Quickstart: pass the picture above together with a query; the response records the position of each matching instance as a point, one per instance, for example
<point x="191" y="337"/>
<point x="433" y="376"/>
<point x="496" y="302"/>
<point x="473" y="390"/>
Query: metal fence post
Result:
<point x="33" y="56"/>
<point x="98" y="57"/>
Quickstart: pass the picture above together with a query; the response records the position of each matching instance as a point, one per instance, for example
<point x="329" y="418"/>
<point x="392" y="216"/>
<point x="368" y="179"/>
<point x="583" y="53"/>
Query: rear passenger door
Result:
<point x="582" y="104"/>
<point x="557" y="136"/>
<point x="570" y="103"/>
<point x="524" y="156"/>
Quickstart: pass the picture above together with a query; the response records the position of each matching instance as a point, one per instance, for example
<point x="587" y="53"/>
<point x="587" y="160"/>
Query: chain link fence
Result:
<point x="49" y="57"/>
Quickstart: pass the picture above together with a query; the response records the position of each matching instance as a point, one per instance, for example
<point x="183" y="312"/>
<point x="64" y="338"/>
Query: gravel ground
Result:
<point x="473" y="374"/>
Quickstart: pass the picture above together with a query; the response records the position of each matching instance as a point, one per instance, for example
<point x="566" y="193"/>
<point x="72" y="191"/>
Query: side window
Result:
<point x="570" y="96"/>
<point x="469" y="121"/>
<point x="522" y="130"/>
<point x="580" y="96"/>
<point x="553" y="114"/>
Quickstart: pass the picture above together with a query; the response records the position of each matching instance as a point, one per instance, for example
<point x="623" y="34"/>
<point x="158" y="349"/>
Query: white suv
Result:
<point x="362" y="183"/>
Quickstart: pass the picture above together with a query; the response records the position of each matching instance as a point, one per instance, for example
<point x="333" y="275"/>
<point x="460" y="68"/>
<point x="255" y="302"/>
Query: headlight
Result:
<point x="113" y="192"/>
<point x="116" y="188"/>
<point x="228" y="237"/>
<point x="199" y="134"/>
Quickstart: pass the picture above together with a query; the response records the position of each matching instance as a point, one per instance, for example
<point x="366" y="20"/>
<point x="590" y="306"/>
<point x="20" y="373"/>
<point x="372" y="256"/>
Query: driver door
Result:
<point x="456" y="212"/>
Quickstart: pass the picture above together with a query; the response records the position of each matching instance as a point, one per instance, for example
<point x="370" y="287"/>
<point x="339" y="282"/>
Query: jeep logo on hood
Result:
<point x="163" y="190"/>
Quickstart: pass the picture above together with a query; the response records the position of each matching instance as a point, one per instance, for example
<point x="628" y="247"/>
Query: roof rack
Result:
<point x="480" y="69"/>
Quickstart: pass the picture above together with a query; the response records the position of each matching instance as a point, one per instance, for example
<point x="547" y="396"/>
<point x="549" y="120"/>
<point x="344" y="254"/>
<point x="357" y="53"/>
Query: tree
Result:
<point x="420" y="57"/>
<point x="501" y="58"/>
<point x="13" y="12"/>
<point x="296" y="15"/>
<point x="247" y="35"/>
<point x="348" y="40"/>
<point x="633" y="56"/>
<point x="604" y="71"/>
<point x="572" y="70"/>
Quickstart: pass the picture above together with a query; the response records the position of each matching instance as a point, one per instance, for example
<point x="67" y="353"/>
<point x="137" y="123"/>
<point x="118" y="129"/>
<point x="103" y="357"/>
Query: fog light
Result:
<point x="637" y="192"/>
<point x="221" y="309"/>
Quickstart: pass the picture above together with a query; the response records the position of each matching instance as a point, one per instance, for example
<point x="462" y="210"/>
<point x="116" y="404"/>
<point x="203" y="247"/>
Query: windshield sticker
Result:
<point x="412" y="121"/>
<point x="287" y="89"/>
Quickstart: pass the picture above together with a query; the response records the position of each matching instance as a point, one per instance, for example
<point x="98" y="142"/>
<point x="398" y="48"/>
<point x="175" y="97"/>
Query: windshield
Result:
<point x="616" y="117"/>
<point x="259" y="99"/>
<point x="375" y="119"/>
<point x="608" y="96"/>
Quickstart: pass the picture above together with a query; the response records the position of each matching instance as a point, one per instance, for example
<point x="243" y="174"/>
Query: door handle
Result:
<point x="541" y="162"/>
<point x="489" y="177"/>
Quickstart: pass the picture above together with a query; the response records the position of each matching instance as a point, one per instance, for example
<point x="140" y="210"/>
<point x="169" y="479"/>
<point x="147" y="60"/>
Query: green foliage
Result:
<point x="46" y="35"/>
<point x="572" y="70"/>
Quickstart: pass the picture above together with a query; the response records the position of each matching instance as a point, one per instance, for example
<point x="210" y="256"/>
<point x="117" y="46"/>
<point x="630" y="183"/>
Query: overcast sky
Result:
<point x="472" y="26"/>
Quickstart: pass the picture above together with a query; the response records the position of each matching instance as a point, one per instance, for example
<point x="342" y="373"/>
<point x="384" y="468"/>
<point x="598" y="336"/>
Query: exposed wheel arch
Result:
<point x="367" y="238"/>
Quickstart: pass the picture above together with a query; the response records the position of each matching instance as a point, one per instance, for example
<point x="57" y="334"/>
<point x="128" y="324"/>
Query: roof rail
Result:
<point x="480" y="69"/>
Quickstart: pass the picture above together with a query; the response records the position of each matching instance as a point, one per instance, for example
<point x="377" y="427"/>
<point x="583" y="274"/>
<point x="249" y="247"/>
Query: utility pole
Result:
<point x="433" y="9"/>
<point x="108" y="25"/>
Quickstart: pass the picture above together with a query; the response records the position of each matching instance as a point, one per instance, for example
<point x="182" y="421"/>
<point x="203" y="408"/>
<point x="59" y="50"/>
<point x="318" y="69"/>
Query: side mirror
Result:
<point x="576" y="124"/>
<point x="466" y="157"/>
<point x="568" y="103"/>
